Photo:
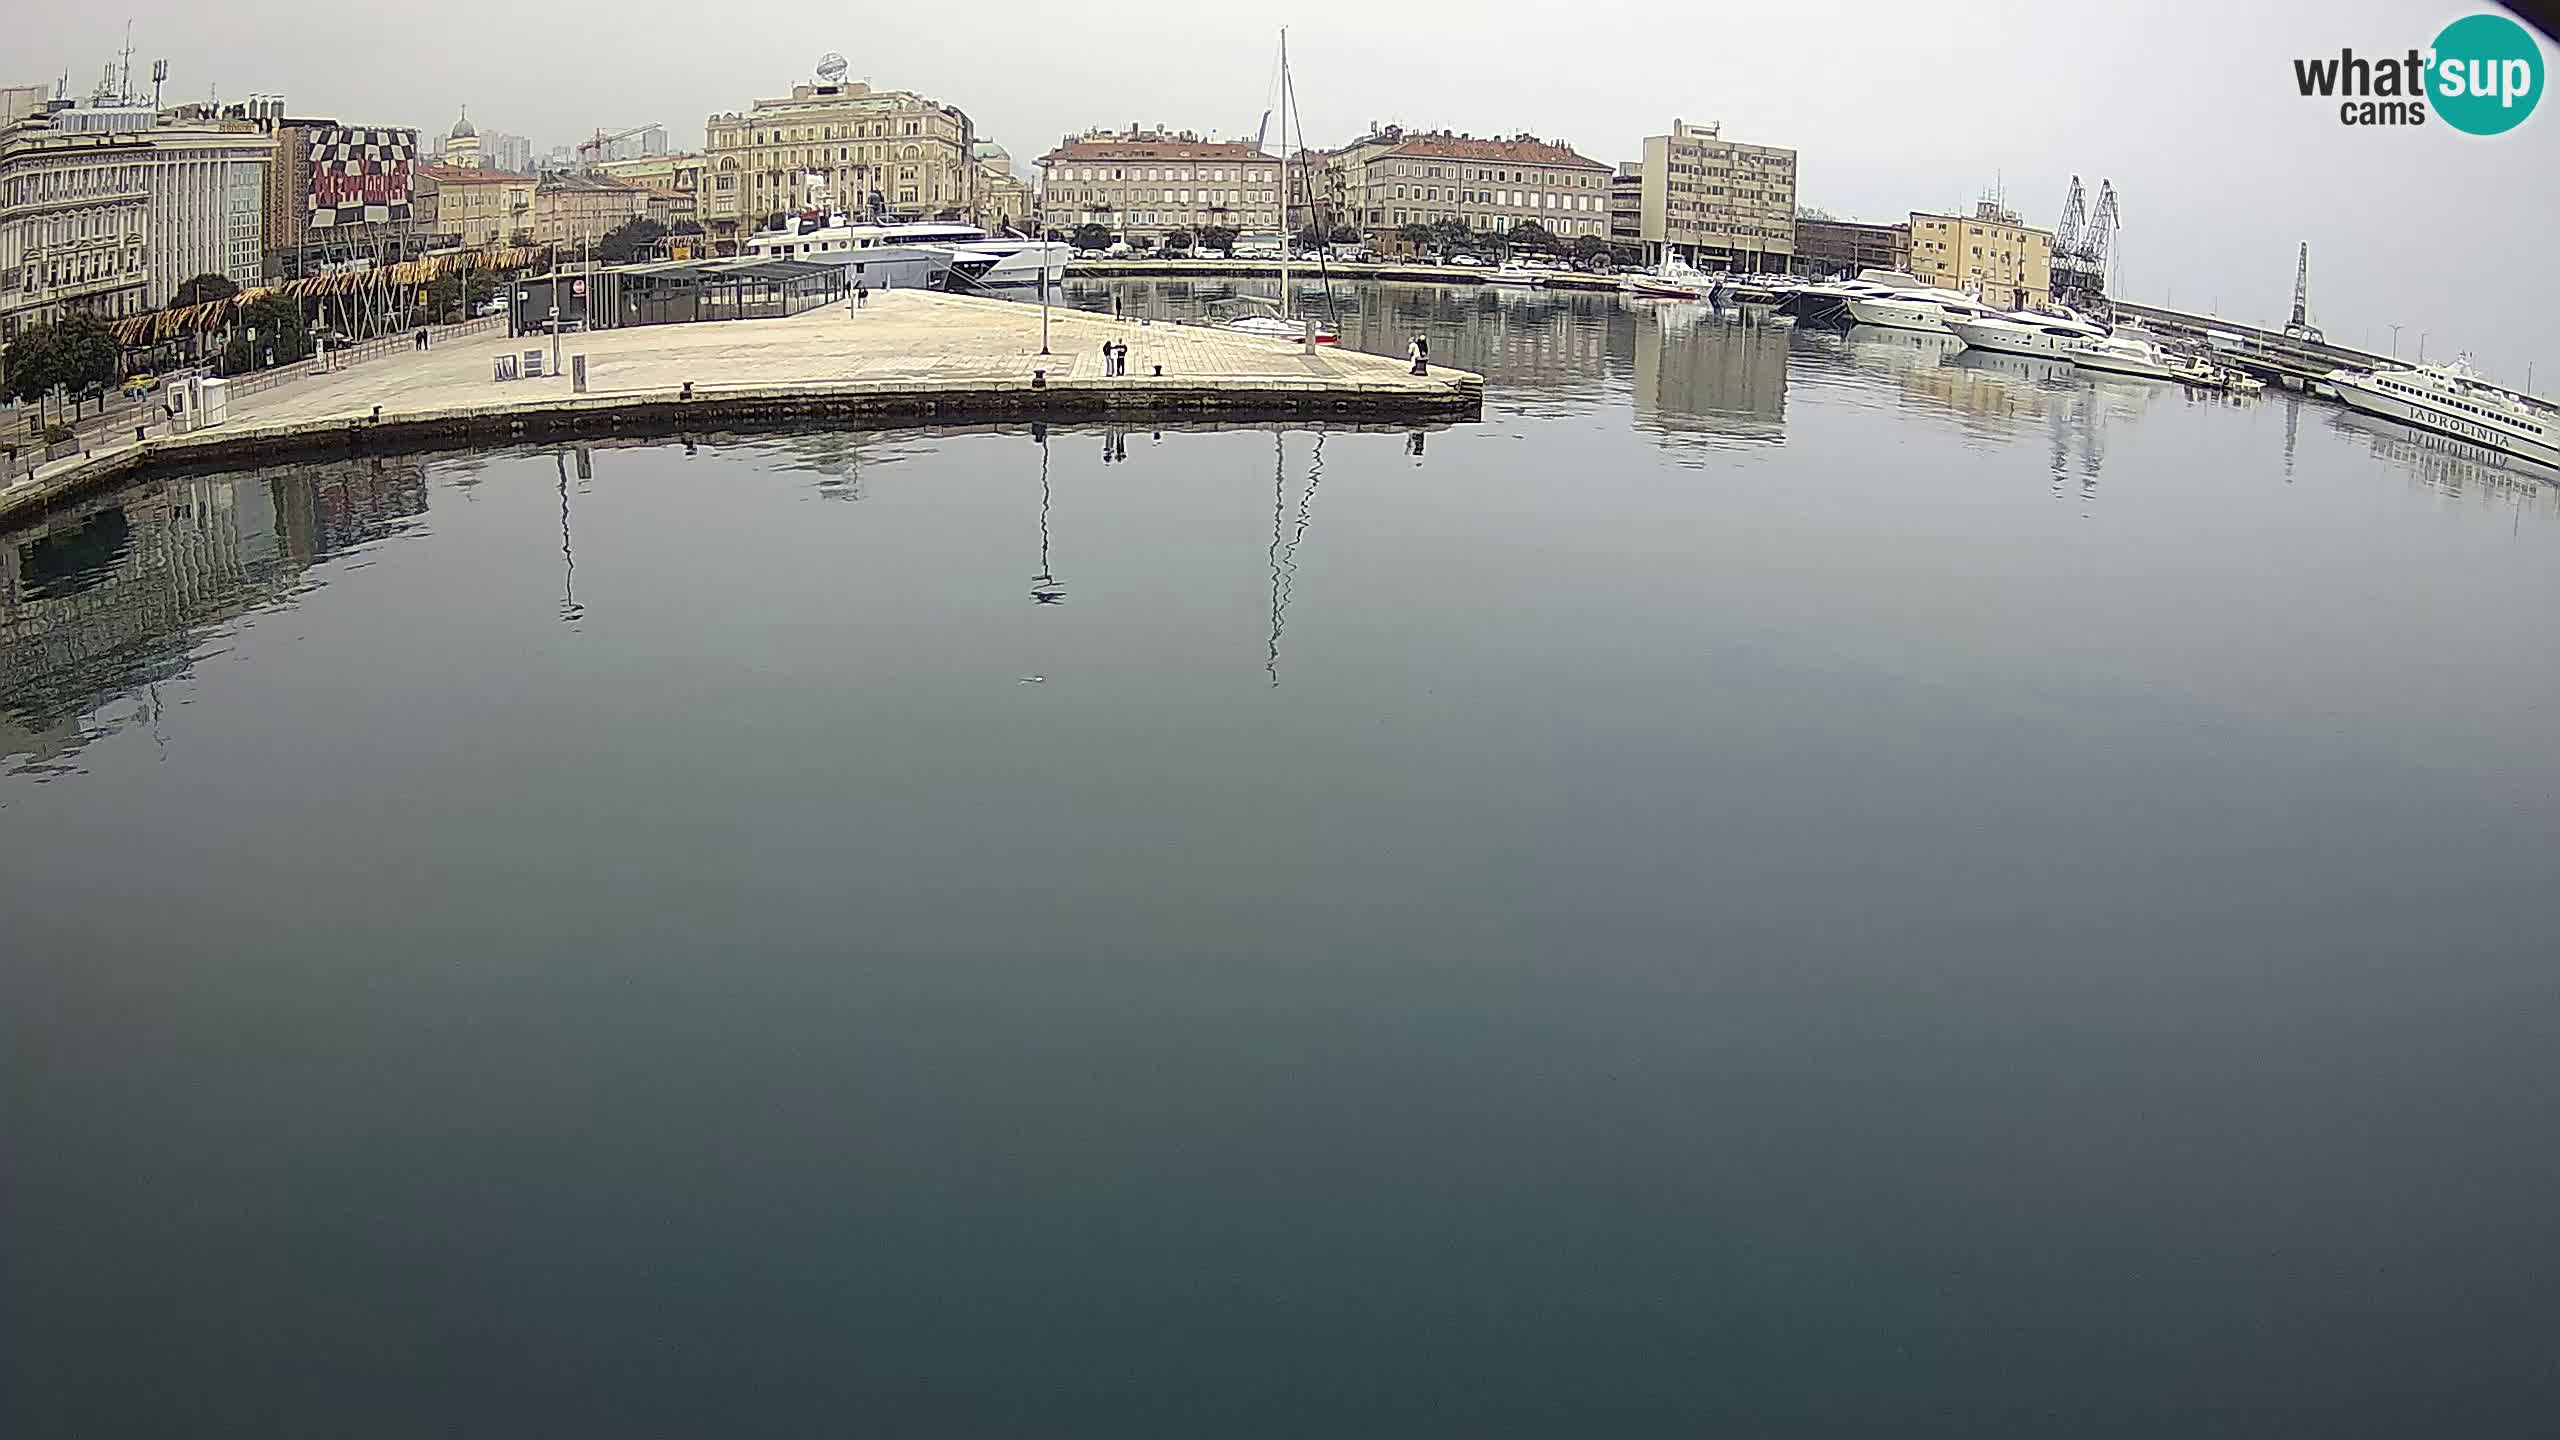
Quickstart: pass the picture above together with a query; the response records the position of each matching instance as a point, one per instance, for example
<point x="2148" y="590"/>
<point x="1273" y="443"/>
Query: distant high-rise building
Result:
<point x="502" y="151"/>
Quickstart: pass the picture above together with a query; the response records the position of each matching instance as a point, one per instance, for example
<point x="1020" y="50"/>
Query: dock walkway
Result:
<point x="907" y="357"/>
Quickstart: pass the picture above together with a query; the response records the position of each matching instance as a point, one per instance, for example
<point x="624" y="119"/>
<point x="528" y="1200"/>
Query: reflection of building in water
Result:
<point x="113" y="597"/>
<point x="2454" y="469"/>
<point x="1716" y="378"/>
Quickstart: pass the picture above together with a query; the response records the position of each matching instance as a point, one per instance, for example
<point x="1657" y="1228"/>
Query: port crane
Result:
<point x="2080" y="249"/>
<point x="591" y="151"/>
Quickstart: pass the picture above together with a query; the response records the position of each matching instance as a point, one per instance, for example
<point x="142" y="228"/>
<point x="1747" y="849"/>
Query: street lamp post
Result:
<point x="2395" y="342"/>
<point x="2422" y="346"/>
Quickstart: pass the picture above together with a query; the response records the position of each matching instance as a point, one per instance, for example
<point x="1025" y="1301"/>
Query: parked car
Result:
<point x="140" y="384"/>
<point x="492" y="307"/>
<point x="1090" y="255"/>
<point x="1466" y="260"/>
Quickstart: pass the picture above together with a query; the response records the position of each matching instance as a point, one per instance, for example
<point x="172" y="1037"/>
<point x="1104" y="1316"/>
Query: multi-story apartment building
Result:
<point x="577" y="210"/>
<point x="1990" y="252"/>
<point x="204" y="172"/>
<point x="843" y="145"/>
<point x="1845" y="247"/>
<point x="208" y="204"/>
<point x="476" y="205"/>
<point x="74" y="225"/>
<point x="1715" y="202"/>
<point x="1146" y="184"/>
<point x="1626" y="206"/>
<point x="1392" y="178"/>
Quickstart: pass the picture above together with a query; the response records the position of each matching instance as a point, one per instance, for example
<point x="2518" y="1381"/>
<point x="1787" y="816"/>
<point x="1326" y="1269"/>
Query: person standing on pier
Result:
<point x="1420" y="350"/>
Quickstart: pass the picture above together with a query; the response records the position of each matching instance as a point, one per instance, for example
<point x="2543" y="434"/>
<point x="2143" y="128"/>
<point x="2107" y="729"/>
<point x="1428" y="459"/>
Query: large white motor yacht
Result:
<point x="2025" y="332"/>
<point x="2131" y="355"/>
<point x="972" y="258"/>
<point x="1673" y="279"/>
<point x="1920" y="308"/>
<point x="2454" y="400"/>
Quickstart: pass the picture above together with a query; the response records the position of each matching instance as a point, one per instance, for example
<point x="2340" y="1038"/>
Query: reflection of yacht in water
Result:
<point x="2041" y="369"/>
<point x="1900" y="349"/>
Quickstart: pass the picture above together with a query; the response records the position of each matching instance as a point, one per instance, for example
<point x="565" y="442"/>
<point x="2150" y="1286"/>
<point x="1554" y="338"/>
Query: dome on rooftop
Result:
<point x="462" y="128"/>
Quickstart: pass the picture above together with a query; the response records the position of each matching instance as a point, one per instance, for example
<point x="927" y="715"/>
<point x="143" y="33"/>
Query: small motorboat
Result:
<point x="1515" y="276"/>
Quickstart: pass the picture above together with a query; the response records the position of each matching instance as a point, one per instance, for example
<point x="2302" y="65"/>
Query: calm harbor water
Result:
<point x="1781" y="884"/>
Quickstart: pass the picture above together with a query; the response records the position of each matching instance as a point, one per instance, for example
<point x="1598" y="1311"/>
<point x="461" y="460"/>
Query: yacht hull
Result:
<point x="1897" y="315"/>
<point x="2008" y="341"/>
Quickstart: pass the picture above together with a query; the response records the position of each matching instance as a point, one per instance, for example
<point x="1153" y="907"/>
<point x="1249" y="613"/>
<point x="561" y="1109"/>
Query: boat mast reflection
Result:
<point x="1045" y="588"/>
<point x="1284" y="558"/>
<point x="571" y="612"/>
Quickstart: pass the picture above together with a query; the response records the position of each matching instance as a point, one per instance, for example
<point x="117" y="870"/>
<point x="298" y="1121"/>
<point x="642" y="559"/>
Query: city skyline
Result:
<point x="2223" y="168"/>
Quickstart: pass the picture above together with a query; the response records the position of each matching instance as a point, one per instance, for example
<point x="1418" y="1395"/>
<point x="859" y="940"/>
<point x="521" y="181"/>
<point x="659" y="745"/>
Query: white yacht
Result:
<point x="2454" y="400"/>
<point x="2025" y="332"/>
<point x="1826" y="300"/>
<point x="1921" y="308"/>
<point x="1514" y="275"/>
<point x="2127" y="355"/>
<point x="970" y="258"/>
<point x="1673" y="279"/>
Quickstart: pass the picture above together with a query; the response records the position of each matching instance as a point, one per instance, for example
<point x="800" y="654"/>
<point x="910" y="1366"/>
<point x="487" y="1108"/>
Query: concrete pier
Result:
<point x="907" y="357"/>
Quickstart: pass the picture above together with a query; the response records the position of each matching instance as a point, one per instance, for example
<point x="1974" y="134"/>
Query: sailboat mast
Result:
<point x="1287" y="307"/>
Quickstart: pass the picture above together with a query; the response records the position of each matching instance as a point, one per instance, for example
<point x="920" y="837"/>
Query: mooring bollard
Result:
<point x="1039" y="379"/>
<point x="377" y="414"/>
<point x="1159" y="372"/>
<point x="688" y="391"/>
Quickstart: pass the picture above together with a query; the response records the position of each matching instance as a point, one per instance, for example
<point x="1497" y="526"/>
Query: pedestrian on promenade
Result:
<point x="1106" y="357"/>
<point x="861" y="294"/>
<point x="1420" y="350"/>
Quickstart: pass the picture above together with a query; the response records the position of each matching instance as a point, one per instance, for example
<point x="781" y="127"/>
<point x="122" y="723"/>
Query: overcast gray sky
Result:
<point x="2189" y="107"/>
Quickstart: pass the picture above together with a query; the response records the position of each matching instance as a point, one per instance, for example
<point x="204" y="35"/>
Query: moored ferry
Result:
<point x="2454" y="400"/>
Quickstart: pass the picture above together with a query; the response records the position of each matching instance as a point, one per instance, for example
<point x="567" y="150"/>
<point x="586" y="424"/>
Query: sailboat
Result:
<point x="1286" y="325"/>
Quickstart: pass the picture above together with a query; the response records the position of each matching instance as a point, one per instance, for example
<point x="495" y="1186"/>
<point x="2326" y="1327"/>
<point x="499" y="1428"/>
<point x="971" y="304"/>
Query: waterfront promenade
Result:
<point x="907" y="357"/>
